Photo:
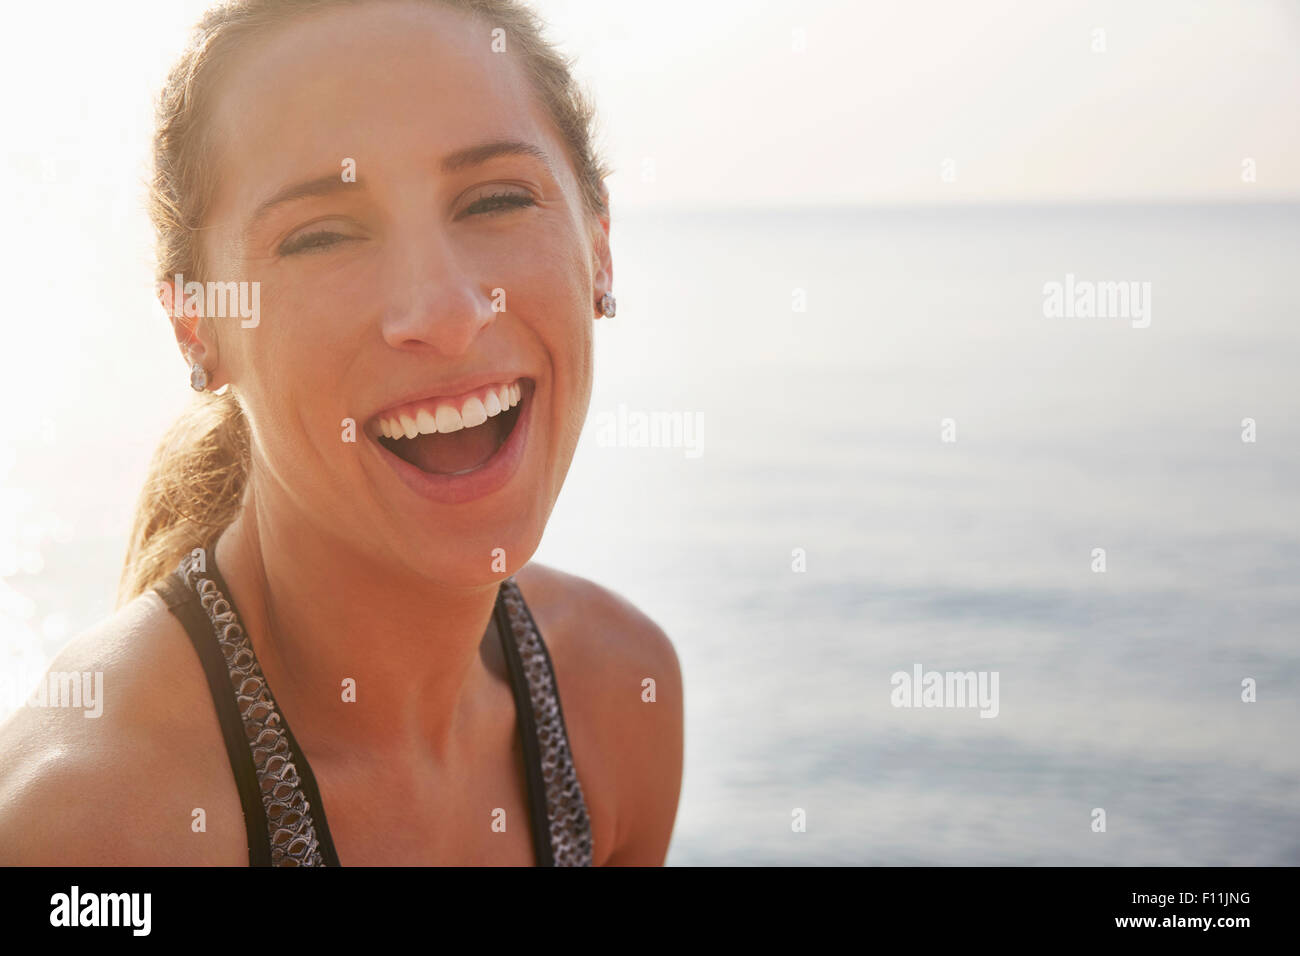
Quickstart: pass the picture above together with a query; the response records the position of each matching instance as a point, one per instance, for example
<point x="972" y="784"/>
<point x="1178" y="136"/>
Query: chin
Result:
<point x="473" y="560"/>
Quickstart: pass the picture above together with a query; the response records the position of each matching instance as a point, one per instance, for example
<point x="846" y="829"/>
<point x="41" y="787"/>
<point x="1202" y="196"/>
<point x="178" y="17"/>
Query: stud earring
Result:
<point x="607" y="305"/>
<point x="198" y="377"/>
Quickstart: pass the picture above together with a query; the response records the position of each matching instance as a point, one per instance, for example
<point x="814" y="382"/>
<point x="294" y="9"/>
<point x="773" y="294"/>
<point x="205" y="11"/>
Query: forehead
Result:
<point x="385" y="83"/>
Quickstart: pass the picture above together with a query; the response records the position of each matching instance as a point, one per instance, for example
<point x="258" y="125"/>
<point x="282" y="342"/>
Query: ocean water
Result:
<point x="819" y="355"/>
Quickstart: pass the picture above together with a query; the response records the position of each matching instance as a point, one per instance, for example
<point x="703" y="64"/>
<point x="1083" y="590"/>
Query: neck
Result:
<point x="319" y="614"/>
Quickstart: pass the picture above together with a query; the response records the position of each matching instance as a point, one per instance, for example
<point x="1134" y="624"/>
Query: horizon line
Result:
<point x="959" y="204"/>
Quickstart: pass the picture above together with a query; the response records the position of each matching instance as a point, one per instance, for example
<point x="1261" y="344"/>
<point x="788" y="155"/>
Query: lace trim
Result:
<point x="288" y="813"/>
<point x="565" y="807"/>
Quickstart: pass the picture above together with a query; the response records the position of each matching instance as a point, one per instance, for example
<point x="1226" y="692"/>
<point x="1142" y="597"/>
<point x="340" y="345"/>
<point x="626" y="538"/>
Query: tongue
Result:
<point x="446" y="454"/>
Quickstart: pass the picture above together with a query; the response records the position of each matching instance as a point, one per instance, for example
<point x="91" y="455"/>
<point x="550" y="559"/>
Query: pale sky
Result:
<point x="715" y="97"/>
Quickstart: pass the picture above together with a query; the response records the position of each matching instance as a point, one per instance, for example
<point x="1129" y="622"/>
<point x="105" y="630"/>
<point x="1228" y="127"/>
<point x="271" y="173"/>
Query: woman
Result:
<point x="333" y="551"/>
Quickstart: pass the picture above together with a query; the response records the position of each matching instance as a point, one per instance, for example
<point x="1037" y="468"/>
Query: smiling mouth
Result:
<point x="444" y="438"/>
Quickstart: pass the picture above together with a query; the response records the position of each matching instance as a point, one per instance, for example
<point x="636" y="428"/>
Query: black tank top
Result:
<point x="283" y="812"/>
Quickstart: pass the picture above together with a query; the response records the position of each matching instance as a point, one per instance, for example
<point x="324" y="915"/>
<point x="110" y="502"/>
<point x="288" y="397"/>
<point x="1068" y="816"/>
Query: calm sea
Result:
<point x="819" y="359"/>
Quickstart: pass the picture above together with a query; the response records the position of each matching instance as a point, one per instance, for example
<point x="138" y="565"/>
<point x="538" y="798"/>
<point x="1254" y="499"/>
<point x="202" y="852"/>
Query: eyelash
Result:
<point x="497" y="203"/>
<point x="502" y="202"/>
<point x="310" y="242"/>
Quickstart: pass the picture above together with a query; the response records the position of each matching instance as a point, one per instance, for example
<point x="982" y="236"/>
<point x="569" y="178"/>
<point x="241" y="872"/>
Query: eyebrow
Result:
<point x="451" y="163"/>
<point x="315" y="187"/>
<point x="473" y="155"/>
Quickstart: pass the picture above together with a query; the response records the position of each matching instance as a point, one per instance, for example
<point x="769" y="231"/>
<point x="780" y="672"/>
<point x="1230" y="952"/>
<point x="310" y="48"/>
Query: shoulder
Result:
<point x="601" y="627"/>
<point x="621" y="692"/>
<point x="115" y="777"/>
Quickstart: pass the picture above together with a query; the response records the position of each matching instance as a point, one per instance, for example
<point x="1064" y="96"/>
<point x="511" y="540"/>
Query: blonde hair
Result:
<point x="196" y="480"/>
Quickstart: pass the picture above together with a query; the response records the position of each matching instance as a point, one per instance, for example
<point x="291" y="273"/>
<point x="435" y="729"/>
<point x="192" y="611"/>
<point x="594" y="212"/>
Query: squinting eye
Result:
<point x="499" y="202"/>
<point x="311" y="241"/>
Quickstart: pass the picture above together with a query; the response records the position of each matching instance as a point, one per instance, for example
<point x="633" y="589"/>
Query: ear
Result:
<point x="194" y="337"/>
<point x="602" y="258"/>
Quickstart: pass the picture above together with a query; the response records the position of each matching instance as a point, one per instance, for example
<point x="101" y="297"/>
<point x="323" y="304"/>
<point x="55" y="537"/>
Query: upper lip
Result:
<point x="451" y="391"/>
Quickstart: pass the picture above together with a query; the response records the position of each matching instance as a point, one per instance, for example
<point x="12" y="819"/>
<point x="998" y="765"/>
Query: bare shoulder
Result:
<point x="600" y="627"/>
<point x="118" y="750"/>
<point x="621" y="692"/>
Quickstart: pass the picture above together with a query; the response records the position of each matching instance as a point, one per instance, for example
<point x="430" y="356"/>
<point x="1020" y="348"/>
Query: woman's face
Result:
<point x="409" y="290"/>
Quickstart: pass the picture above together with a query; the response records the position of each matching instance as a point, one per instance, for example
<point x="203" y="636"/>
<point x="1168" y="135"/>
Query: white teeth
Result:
<point x="474" y="411"/>
<point x="449" y="419"/>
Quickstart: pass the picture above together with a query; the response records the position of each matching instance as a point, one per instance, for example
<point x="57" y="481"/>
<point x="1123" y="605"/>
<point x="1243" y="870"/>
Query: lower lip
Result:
<point x="479" y="483"/>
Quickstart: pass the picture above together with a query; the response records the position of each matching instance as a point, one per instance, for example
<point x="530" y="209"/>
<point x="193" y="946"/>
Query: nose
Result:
<point x="436" y="298"/>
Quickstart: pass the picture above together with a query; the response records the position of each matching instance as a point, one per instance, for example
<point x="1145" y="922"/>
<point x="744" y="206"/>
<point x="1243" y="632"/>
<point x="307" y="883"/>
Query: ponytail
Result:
<point x="194" y="489"/>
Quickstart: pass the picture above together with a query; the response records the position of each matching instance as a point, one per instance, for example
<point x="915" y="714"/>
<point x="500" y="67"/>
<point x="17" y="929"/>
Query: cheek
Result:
<point x="552" y="284"/>
<point x="564" y="274"/>
<point x="289" y="368"/>
<point x="567" y="335"/>
<point x="314" y="324"/>
<point x="573" y="383"/>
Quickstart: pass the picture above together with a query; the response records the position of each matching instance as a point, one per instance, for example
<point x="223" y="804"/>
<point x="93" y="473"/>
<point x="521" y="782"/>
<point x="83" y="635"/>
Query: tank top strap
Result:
<point x="567" y="822"/>
<point x="284" y="814"/>
<point x="560" y="809"/>
<point x="183" y="602"/>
